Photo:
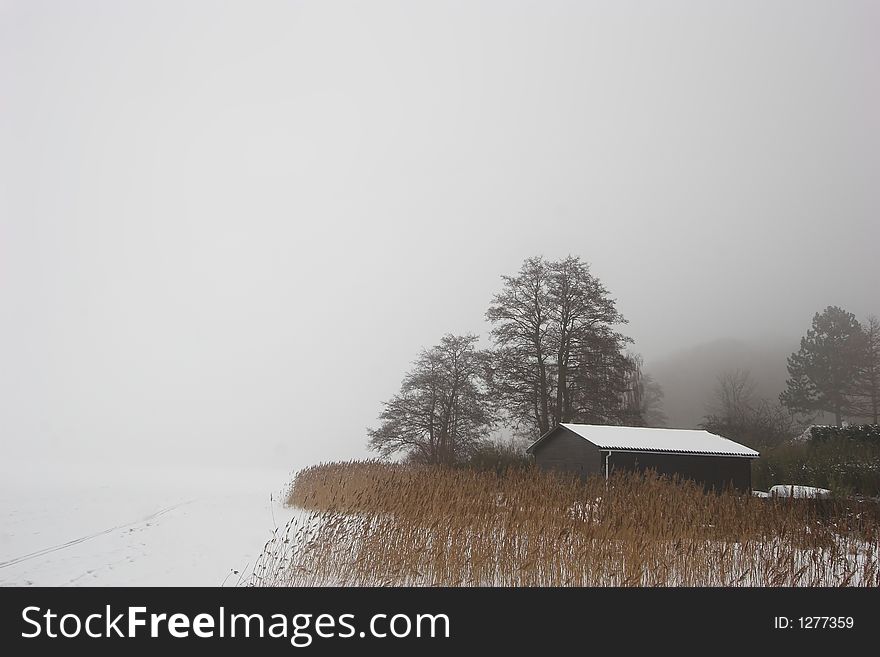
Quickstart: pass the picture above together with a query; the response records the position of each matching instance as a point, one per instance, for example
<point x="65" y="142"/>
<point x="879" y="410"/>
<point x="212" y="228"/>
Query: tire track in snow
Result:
<point x="82" y="539"/>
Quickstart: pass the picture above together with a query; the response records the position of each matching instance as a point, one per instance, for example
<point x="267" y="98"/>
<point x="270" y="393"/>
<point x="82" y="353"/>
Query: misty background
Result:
<point x="226" y="230"/>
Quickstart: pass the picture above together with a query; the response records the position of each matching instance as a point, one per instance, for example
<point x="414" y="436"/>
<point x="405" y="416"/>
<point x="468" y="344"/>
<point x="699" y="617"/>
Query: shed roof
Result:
<point x="645" y="439"/>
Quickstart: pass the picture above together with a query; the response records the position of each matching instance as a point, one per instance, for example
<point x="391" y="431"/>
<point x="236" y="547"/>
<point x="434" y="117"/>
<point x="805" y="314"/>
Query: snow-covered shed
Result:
<point x="588" y="449"/>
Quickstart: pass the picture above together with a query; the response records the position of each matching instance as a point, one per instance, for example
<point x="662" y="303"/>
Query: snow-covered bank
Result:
<point x="134" y="525"/>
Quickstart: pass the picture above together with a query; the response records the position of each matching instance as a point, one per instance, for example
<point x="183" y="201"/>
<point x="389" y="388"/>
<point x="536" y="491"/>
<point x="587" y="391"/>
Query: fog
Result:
<point x="227" y="229"/>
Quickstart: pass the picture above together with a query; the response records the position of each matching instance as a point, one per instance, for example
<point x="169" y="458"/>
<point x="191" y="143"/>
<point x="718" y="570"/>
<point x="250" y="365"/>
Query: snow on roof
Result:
<point x="645" y="439"/>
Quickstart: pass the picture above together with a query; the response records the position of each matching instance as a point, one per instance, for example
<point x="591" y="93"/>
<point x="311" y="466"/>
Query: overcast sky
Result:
<point x="227" y="228"/>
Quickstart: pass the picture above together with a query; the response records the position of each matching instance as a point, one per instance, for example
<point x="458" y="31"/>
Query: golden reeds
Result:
<point x="371" y="523"/>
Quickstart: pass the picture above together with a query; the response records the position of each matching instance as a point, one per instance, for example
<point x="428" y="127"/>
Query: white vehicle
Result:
<point x="790" y="490"/>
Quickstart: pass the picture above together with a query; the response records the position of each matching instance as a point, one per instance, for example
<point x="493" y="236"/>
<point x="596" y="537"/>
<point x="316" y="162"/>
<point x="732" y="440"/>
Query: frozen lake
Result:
<point x="69" y="525"/>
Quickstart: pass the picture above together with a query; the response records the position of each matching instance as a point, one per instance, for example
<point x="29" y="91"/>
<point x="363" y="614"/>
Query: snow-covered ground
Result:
<point x="75" y="525"/>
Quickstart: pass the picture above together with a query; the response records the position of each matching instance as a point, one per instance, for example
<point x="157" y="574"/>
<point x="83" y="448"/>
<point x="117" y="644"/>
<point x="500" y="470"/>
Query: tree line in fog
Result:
<point x="557" y="354"/>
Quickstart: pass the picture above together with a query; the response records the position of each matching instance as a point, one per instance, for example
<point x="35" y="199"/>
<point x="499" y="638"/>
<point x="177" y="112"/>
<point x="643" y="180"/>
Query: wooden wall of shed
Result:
<point x="564" y="451"/>
<point x="713" y="472"/>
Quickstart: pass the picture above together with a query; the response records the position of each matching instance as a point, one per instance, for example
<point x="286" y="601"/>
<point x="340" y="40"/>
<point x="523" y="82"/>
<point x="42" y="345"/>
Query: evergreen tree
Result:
<point x="824" y="371"/>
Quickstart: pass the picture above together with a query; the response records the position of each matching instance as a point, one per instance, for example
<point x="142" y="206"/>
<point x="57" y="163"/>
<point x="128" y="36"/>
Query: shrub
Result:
<point x="499" y="458"/>
<point x="842" y="463"/>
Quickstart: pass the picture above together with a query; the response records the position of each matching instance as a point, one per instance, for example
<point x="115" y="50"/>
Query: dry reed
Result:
<point x="371" y="523"/>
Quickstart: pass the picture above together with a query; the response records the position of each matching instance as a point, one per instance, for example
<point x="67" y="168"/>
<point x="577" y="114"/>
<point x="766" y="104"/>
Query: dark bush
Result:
<point x="847" y="463"/>
<point x="859" y="432"/>
<point x="498" y="458"/>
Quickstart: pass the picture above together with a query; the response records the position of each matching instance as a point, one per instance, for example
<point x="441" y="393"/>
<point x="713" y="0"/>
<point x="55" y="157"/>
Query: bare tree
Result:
<point x="600" y="380"/>
<point x="520" y="315"/>
<point x="581" y="319"/>
<point x="734" y="395"/>
<point x="737" y="413"/>
<point x="442" y="411"/>
<point x="643" y="398"/>
<point x="555" y="343"/>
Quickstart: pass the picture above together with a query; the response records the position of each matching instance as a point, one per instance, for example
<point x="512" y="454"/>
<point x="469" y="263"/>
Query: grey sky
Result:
<point x="233" y="225"/>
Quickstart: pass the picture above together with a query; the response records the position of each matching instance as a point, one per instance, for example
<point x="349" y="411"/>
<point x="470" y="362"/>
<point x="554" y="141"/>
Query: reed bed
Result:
<point x="372" y="524"/>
